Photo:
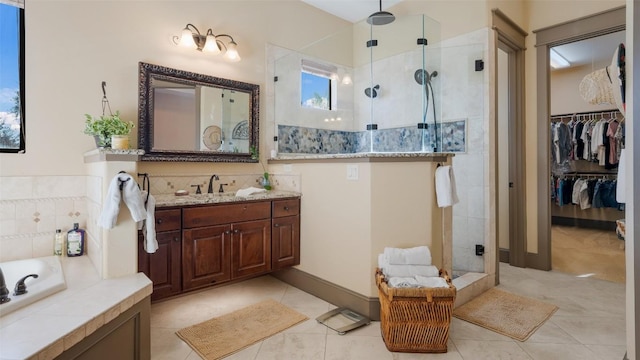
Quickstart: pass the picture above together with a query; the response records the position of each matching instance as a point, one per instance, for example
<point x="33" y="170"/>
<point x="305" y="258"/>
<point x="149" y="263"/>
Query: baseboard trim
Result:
<point x="503" y="255"/>
<point x="330" y="292"/>
<point x="584" y="223"/>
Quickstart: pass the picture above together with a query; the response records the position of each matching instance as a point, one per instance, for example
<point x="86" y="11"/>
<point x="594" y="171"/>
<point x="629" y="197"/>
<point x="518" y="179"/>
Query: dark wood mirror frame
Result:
<point x="146" y="108"/>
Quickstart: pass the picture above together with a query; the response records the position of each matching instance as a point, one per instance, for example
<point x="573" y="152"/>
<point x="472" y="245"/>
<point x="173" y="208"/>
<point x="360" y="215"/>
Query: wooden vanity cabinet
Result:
<point x="163" y="267"/>
<point x="224" y="242"/>
<point x="285" y="233"/>
<point x="200" y="246"/>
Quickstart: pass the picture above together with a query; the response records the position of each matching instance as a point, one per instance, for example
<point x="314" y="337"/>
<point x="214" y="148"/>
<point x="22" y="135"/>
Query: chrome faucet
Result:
<point x="210" y="188"/>
<point x="4" y="292"/>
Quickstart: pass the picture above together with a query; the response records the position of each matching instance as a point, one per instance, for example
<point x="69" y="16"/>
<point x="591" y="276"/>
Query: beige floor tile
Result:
<point x="606" y="352"/>
<point x="293" y="346"/>
<point x="559" y="351"/>
<point x="551" y="333"/>
<point x="344" y="347"/>
<point x="461" y="330"/>
<point x="490" y="350"/>
<point x="166" y="345"/>
<point x="594" y="330"/>
<point x="451" y="354"/>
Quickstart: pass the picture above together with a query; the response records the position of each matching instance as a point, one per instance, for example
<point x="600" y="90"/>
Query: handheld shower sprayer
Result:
<point x="423" y="77"/>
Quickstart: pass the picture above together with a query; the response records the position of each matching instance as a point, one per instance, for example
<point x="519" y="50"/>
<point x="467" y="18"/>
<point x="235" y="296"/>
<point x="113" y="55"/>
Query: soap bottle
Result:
<point x="75" y="241"/>
<point x="58" y="243"/>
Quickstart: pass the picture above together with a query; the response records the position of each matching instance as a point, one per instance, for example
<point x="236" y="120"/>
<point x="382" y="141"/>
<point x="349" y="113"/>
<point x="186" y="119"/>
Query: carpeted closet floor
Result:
<point x="588" y="252"/>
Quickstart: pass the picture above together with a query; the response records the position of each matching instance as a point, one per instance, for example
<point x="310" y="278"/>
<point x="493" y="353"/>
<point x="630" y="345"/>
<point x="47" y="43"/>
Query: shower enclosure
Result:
<point x="394" y="88"/>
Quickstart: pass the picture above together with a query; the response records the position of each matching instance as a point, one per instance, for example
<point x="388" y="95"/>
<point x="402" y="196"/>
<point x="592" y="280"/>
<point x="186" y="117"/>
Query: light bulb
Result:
<point x="211" y="46"/>
<point x="186" y="39"/>
<point x="232" y="53"/>
<point x="346" y="80"/>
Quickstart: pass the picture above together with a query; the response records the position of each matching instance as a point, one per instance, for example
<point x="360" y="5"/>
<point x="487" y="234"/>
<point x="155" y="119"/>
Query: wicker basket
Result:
<point x="415" y="319"/>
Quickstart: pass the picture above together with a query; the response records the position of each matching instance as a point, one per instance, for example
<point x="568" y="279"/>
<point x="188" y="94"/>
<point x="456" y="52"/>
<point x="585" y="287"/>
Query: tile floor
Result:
<point x="589" y="325"/>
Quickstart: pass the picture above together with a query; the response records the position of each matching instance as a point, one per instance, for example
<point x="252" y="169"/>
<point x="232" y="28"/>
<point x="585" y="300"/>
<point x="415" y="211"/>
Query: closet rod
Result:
<point x="587" y="113"/>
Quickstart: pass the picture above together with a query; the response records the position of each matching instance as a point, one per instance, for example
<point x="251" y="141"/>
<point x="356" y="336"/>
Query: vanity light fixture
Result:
<point x="208" y="43"/>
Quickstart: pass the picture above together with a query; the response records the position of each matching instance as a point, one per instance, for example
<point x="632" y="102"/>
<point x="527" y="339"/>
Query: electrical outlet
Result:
<point x="352" y="172"/>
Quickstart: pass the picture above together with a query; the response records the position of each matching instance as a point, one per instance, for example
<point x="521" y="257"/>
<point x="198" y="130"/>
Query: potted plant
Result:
<point x="264" y="180"/>
<point x="108" y="128"/>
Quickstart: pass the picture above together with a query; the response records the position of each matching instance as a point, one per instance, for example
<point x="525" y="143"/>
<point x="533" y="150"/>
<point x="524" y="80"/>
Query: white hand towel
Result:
<point x="133" y="197"/>
<point x="390" y="271"/>
<point x="150" y="241"/>
<point x="402" y="282"/>
<point x="431" y="281"/>
<point x="446" y="194"/>
<point x="249" y="191"/>
<point x="110" y="206"/>
<point x="419" y="255"/>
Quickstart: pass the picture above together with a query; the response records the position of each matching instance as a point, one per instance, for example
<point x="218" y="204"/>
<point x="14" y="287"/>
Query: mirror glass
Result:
<point x="185" y="116"/>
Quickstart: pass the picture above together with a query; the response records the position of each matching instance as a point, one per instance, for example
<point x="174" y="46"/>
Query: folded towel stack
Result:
<point x="410" y="268"/>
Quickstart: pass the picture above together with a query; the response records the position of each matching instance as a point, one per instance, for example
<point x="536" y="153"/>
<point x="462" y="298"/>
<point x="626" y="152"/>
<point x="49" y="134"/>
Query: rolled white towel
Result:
<point x="419" y="255"/>
<point x="431" y="281"/>
<point x="390" y="271"/>
<point x="402" y="282"/>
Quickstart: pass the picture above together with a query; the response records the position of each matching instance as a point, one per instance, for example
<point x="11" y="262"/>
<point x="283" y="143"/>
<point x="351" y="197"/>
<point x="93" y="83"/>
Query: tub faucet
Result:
<point x="210" y="189"/>
<point x="21" y="288"/>
<point x="4" y="292"/>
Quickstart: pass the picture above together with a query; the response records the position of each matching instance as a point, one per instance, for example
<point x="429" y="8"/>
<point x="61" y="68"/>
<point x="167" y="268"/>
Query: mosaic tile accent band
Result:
<point x="302" y="140"/>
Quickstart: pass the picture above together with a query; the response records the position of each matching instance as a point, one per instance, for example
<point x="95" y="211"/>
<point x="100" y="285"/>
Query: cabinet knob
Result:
<point x="286" y="208"/>
<point x="236" y="231"/>
<point x="276" y="225"/>
<point x="227" y="232"/>
<point x="159" y="221"/>
<point x="176" y="239"/>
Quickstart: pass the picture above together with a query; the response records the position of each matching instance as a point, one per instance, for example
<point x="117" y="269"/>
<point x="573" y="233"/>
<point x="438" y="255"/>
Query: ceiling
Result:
<point x="591" y="51"/>
<point x="351" y="10"/>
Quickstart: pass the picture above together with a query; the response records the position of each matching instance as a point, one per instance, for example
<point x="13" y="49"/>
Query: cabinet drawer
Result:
<point x="167" y="220"/>
<point x="282" y="208"/>
<point x="226" y="214"/>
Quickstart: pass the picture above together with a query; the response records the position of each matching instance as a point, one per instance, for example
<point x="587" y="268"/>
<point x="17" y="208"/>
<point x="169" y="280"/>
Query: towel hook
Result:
<point x="120" y="181"/>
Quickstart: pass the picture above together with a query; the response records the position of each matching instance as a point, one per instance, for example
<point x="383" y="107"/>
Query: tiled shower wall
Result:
<point x="33" y="207"/>
<point x="301" y="140"/>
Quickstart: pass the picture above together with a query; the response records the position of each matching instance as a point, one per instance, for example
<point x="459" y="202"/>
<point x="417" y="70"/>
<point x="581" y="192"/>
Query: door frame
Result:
<point x="586" y="27"/>
<point x="511" y="38"/>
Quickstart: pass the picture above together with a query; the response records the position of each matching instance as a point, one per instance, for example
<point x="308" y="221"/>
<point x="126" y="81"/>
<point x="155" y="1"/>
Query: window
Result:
<point x="12" y="76"/>
<point x="317" y="85"/>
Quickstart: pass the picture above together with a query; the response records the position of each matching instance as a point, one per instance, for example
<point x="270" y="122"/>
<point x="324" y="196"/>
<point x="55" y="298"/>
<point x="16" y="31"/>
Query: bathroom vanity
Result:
<point x="206" y="240"/>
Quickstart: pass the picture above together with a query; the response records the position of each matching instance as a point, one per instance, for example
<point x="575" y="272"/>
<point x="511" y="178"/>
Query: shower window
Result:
<point x="316" y="91"/>
<point x="317" y="88"/>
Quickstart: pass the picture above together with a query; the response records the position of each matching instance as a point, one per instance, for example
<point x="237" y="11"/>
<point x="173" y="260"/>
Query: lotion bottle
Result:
<point x="75" y="241"/>
<point x="58" y="243"/>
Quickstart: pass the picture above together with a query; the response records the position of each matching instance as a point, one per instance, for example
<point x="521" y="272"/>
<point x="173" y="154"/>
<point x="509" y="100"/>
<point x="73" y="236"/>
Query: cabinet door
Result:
<point x="251" y="249"/>
<point x="206" y="256"/>
<point x="163" y="266"/>
<point x="285" y="242"/>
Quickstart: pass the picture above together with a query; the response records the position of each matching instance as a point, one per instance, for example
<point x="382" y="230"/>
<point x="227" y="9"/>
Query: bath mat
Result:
<point x="227" y="334"/>
<point x="505" y="313"/>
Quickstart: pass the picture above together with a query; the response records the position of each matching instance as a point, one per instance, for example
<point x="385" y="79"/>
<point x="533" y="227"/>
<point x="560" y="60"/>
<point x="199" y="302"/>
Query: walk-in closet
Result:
<point x="587" y="130"/>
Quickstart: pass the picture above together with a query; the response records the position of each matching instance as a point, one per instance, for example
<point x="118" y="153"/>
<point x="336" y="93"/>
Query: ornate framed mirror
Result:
<point x="185" y="116"/>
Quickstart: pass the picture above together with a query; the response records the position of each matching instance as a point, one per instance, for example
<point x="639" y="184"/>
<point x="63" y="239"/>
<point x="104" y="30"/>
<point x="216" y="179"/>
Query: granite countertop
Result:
<point x="167" y="200"/>
<point x="380" y="156"/>
<point x="44" y="329"/>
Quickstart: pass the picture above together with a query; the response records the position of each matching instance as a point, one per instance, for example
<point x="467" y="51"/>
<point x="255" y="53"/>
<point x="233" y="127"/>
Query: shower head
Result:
<point x="423" y="77"/>
<point x="381" y="17"/>
<point x="372" y="92"/>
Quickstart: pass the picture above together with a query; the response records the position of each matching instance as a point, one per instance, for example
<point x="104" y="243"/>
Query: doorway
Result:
<point x="603" y="23"/>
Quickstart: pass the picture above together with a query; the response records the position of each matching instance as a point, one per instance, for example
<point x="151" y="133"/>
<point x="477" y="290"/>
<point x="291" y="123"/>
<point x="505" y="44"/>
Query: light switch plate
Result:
<point x="352" y="172"/>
